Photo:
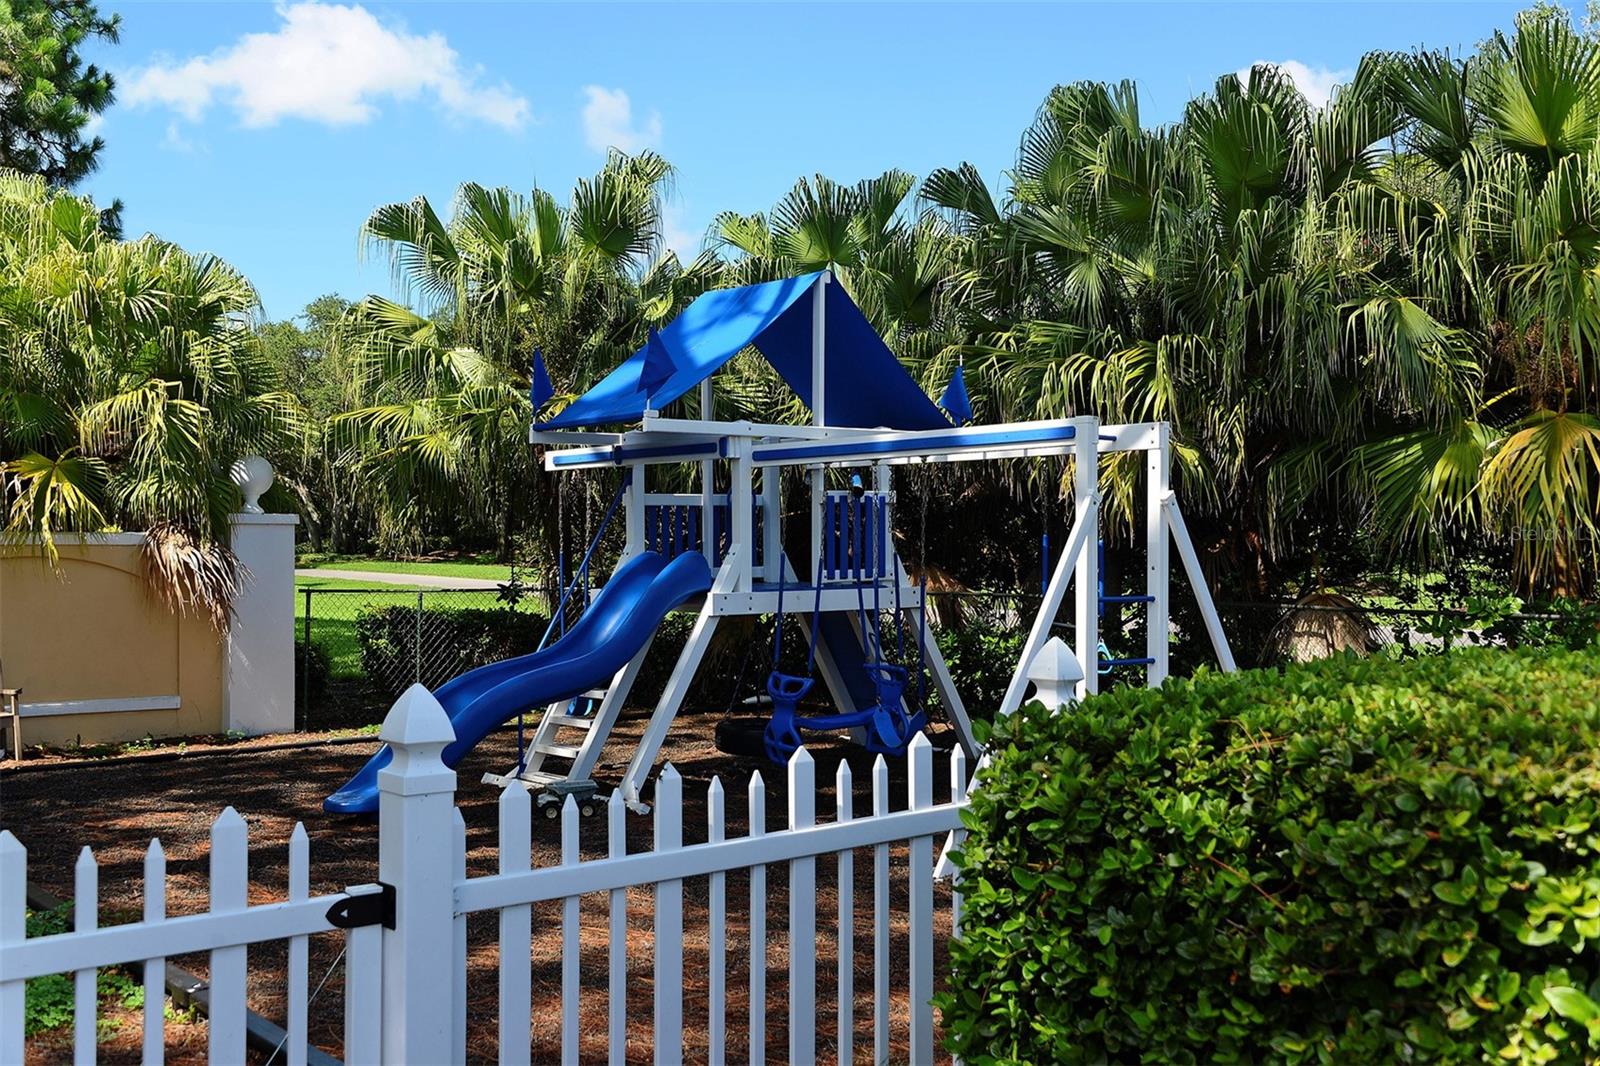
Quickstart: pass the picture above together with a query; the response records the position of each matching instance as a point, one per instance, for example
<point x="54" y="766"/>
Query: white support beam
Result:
<point x="1197" y="581"/>
<point x="708" y="488"/>
<point x="945" y="686"/>
<point x="1053" y="437"/>
<point x="1157" y="574"/>
<point x="819" y="403"/>
<point x="655" y="732"/>
<point x="667" y="440"/>
<point x="571" y="436"/>
<point x="819" y="350"/>
<point x="658" y="425"/>
<point x="636" y="449"/>
<point x="772" y="560"/>
<point x="943" y="683"/>
<point x="1055" y="592"/>
<point x="633" y="513"/>
<point x="741" y="531"/>
<point x="1086" y="506"/>
<point x="816" y="477"/>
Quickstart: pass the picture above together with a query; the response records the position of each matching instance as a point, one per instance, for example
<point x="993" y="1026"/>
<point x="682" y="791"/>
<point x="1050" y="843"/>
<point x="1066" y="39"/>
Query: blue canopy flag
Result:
<point x="658" y="365"/>
<point x="954" y="398"/>
<point x="539" y="388"/>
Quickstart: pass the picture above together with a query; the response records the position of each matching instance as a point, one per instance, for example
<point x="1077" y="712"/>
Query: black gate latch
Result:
<point x="370" y="908"/>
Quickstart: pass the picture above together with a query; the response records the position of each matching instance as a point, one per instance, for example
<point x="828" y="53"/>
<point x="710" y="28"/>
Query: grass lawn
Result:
<point x="333" y="617"/>
<point x="481" y="566"/>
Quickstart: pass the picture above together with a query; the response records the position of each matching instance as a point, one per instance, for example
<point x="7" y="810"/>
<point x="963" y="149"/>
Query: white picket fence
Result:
<point x="225" y="931"/>
<point x="401" y="929"/>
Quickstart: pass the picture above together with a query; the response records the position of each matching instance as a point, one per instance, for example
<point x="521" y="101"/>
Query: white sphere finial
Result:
<point x="253" y="475"/>
<point x="1055" y="673"/>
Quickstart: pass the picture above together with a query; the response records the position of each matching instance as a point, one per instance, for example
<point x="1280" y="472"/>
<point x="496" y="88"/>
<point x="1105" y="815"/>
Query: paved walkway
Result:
<point x="385" y="577"/>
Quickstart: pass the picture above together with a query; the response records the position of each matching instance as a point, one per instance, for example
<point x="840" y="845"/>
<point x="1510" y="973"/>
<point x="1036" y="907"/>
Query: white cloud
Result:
<point x="608" y="122"/>
<point x="1316" y="84"/>
<point x="328" y="63"/>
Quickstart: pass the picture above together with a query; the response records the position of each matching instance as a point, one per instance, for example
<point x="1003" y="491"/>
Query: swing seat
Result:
<point x="889" y="730"/>
<point x="781" y="738"/>
<point x="787" y="688"/>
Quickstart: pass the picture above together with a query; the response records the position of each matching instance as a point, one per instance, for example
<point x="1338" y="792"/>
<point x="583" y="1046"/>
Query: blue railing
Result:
<point x="676" y="528"/>
<point x="855" y="536"/>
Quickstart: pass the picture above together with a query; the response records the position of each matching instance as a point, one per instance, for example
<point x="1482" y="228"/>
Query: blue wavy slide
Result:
<point x="617" y="624"/>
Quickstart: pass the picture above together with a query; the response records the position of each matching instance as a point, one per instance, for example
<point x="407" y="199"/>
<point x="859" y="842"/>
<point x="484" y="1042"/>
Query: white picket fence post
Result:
<point x="669" y="923"/>
<point x="417" y="823"/>
<point x="802" y="914"/>
<point x="13" y="930"/>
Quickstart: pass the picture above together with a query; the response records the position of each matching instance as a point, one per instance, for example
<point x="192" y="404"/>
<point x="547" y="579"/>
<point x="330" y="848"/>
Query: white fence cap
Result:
<point x="1055" y="673"/>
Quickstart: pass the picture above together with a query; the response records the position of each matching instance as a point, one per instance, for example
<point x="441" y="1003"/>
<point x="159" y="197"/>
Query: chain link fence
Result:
<point x="359" y="648"/>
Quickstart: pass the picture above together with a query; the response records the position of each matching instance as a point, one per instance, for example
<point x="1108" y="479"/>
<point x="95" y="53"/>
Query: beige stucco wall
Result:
<point x="92" y="632"/>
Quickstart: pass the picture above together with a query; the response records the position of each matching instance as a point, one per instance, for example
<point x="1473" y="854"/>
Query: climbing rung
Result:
<point x="570" y="721"/>
<point x="1126" y="662"/>
<point x="1127" y="599"/>
<point x="538" y="778"/>
<point x="560" y="751"/>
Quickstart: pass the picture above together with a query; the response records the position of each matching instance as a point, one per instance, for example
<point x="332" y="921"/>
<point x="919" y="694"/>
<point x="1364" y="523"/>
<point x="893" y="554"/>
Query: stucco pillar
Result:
<point x="260" y="684"/>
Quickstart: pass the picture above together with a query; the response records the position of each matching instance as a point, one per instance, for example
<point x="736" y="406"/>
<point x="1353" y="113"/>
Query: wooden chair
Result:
<point x="11" y="707"/>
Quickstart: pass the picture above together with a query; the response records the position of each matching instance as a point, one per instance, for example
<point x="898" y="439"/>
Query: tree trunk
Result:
<point x="309" y="512"/>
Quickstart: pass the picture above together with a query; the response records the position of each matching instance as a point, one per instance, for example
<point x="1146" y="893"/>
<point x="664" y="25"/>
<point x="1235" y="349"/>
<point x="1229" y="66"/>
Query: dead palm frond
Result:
<point x="191" y="576"/>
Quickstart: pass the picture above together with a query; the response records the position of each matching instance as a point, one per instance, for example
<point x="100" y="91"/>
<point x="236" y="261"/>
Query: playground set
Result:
<point x="721" y="554"/>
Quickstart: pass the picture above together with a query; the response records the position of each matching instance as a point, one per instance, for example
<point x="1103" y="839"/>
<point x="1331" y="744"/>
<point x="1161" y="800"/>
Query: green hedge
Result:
<point x="1354" y="860"/>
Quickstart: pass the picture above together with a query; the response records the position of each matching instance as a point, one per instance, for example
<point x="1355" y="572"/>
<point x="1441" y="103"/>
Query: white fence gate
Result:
<point x="226" y="931"/>
<point x="407" y="935"/>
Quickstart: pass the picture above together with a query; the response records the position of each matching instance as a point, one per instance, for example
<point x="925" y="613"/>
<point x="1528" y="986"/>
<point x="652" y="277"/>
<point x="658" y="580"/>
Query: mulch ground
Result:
<point x="116" y="806"/>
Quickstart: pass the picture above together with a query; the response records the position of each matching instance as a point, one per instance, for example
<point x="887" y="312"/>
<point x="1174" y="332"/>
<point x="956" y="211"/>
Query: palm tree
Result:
<point x="130" y="381"/>
<point x="1505" y="233"/>
<point x="1230" y="274"/>
<point x="442" y="407"/>
<point x="891" y="258"/>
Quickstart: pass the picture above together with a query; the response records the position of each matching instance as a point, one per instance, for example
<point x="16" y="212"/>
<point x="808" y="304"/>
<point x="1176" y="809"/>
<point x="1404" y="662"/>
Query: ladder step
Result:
<point x="571" y="721"/>
<point x="1126" y="662"/>
<point x="1127" y="599"/>
<point x="538" y="778"/>
<point x="560" y="751"/>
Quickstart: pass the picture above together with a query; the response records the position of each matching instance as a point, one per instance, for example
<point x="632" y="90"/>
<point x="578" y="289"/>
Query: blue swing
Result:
<point x="888" y="728"/>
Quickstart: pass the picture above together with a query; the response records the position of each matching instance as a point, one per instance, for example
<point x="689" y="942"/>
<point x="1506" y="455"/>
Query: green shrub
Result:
<point x="1352" y="860"/>
<point x="451" y="642"/>
<point x="981" y="657"/>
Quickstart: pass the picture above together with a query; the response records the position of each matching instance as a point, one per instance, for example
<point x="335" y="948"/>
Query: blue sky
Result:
<point x="266" y="133"/>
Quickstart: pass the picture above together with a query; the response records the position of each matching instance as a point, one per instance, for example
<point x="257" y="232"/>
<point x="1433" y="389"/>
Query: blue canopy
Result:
<point x="866" y="385"/>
